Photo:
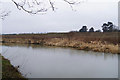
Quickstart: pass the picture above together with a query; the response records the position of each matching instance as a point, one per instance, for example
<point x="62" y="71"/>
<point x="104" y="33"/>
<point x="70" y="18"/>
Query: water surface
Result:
<point x="54" y="62"/>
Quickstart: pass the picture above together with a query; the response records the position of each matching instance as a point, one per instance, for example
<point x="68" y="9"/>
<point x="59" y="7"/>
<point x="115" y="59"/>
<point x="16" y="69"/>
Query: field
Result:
<point x="96" y="41"/>
<point x="110" y="37"/>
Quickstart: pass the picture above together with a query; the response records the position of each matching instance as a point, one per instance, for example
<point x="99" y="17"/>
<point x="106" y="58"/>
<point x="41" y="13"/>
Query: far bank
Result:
<point x="96" y="41"/>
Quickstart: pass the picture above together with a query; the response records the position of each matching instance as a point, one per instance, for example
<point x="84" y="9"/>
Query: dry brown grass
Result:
<point x="96" y="41"/>
<point x="110" y="37"/>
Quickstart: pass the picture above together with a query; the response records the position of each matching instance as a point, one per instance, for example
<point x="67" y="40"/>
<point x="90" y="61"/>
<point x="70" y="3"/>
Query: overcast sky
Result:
<point x="92" y="13"/>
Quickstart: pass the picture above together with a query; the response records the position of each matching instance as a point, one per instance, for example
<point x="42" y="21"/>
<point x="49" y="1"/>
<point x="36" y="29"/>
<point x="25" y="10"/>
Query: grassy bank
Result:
<point x="10" y="72"/>
<point x="95" y="41"/>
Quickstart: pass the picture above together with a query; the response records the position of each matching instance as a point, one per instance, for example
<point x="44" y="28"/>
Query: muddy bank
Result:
<point x="100" y="42"/>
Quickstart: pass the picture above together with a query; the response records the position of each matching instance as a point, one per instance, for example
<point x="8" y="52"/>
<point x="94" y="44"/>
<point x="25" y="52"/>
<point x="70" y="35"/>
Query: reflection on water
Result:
<point x="50" y="62"/>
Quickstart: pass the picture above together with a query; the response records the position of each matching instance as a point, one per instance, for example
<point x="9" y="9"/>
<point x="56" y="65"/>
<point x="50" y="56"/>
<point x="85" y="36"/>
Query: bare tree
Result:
<point x="37" y="6"/>
<point x="41" y="6"/>
<point x="3" y="13"/>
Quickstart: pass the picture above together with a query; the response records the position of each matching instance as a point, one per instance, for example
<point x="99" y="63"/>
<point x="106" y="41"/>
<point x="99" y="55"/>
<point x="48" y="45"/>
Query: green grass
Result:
<point x="8" y="71"/>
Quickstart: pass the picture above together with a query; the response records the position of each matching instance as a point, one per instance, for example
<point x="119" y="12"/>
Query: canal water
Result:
<point x="34" y="61"/>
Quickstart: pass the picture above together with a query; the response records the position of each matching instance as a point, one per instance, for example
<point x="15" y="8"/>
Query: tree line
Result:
<point x="106" y="27"/>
